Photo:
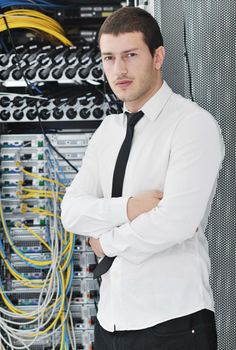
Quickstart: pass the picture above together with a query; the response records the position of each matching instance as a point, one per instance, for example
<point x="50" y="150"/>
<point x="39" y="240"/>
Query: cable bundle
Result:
<point x="29" y="3"/>
<point x="49" y="317"/>
<point x="31" y="19"/>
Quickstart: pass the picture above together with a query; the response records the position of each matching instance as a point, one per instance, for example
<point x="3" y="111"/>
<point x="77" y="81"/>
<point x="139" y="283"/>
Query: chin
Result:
<point x="120" y="97"/>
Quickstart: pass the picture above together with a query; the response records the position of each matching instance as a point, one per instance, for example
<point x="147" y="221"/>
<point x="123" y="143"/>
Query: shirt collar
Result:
<point x="153" y="107"/>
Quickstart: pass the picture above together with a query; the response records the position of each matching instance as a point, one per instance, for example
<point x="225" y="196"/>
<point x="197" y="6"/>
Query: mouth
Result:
<point x="123" y="83"/>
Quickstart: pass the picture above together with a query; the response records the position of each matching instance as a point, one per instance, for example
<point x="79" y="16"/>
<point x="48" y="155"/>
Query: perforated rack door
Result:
<point x="210" y="42"/>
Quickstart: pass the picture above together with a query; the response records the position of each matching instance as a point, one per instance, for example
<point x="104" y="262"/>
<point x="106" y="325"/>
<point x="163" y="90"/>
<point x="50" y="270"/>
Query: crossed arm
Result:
<point x="136" y="206"/>
<point x="136" y="228"/>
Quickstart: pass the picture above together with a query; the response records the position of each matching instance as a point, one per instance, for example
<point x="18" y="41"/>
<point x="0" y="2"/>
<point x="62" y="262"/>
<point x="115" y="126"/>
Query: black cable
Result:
<point x="3" y="46"/>
<point x="51" y="145"/>
<point x="16" y="54"/>
<point x="187" y="62"/>
<point x="31" y="92"/>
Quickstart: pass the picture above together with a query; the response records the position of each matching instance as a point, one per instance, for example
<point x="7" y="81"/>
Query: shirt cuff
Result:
<point x="106" y="241"/>
<point x="118" y="211"/>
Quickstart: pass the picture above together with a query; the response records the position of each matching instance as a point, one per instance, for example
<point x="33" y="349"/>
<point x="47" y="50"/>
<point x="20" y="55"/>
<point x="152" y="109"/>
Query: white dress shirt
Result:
<point x="162" y="266"/>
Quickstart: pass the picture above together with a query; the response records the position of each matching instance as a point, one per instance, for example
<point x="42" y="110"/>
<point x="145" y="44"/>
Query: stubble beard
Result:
<point x="132" y="97"/>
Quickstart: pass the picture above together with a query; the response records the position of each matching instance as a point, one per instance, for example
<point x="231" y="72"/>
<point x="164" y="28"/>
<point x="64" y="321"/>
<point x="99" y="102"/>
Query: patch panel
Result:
<point x="94" y="10"/>
<point x="33" y="155"/>
<point x="72" y="153"/>
<point x="33" y="275"/>
<point x="8" y="154"/>
<point x="9" y="167"/>
<point x="38" y="343"/>
<point x="67" y="169"/>
<point x="83" y="315"/>
<point x="16" y="206"/>
<point x="9" y="192"/>
<point x="15" y="203"/>
<point x="18" y="262"/>
<point x="30" y="248"/>
<point x="81" y="244"/>
<point x="22" y="180"/>
<point x="84" y="264"/>
<point x="26" y="302"/>
<point x="71" y="140"/>
<point x="20" y="288"/>
<point x="86" y="291"/>
<point x="84" y="341"/>
<point x="22" y="141"/>
<point x="14" y="288"/>
<point x="21" y="235"/>
<point x="10" y="207"/>
<point x="24" y="154"/>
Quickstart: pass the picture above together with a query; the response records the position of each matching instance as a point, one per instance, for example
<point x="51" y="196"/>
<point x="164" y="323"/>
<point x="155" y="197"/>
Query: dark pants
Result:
<point x="192" y="332"/>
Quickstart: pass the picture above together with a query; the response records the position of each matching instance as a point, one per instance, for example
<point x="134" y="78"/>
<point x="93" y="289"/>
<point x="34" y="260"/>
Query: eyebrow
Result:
<point x="126" y="51"/>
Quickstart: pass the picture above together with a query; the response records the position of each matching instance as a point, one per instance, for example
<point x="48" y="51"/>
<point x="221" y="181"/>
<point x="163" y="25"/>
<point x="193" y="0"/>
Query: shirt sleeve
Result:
<point x="195" y="157"/>
<point x="84" y="210"/>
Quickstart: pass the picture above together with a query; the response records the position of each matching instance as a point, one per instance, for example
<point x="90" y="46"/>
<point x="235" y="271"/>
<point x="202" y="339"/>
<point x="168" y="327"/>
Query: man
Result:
<point x="156" y="294"/>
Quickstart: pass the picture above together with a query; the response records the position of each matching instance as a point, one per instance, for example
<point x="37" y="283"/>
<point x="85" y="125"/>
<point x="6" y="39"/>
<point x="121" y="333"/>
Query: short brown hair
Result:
<point x="133" y="19"/>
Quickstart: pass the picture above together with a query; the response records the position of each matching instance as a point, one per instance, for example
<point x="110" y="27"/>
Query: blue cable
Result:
<point x="26" y="262"/>
<point x="67" y="344"/>
<point x="37" y="3"/>
<point x="71" y="278"/>
<point x="22" y="253"/>
<point x="65" y="180"/>
<point x="71" y="253"/>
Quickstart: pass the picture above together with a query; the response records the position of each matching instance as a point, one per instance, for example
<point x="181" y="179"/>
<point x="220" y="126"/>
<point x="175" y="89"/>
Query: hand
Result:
<point x="96" y="247"/>
<point x="142" y="203"/>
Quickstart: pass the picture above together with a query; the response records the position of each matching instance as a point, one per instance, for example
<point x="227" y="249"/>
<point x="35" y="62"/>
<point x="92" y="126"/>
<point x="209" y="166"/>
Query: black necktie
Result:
<point x="118" y="179"/>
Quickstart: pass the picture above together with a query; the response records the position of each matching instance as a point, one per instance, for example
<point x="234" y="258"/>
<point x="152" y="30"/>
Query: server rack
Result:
<point x="52" y="98"/>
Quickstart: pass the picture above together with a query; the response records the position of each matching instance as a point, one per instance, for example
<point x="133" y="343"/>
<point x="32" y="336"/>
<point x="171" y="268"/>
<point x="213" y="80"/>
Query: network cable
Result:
<point x="30" y="3"/>
<point x="24" y="18"/>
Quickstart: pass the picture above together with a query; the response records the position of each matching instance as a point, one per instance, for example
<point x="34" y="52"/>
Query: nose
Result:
<point x="120" y="67"/>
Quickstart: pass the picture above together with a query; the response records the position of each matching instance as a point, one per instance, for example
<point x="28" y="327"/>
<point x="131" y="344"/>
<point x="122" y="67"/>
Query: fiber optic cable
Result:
<point x="25" y="18"/>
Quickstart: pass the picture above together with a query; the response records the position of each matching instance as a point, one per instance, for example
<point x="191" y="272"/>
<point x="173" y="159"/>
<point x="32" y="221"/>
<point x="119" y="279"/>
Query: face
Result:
<point x="133" y="74"/>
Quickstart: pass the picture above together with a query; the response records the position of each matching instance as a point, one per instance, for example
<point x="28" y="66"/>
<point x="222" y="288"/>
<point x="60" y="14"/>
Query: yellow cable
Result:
<point x="19" y="224"/>
<point x="21" y="312"/>
<point x="38" y="263"/>
<point x="24" y="18"/>
<point x="38" y="196"/>
<point x="42" y="212"/>
<point x="25" y="189"/>
<point x="67" y="249"/>
<point x="38" y="176"/>
<point x="62" y="332"/>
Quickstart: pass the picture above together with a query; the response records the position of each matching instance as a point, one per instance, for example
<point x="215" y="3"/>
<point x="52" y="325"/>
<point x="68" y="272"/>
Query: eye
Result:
<point x="107" y="58"/>
<point x="131" y="54"/>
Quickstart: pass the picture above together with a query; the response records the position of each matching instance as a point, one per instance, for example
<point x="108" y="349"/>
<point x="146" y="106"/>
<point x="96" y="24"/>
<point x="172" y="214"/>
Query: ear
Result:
<point x="159" y="56"/>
